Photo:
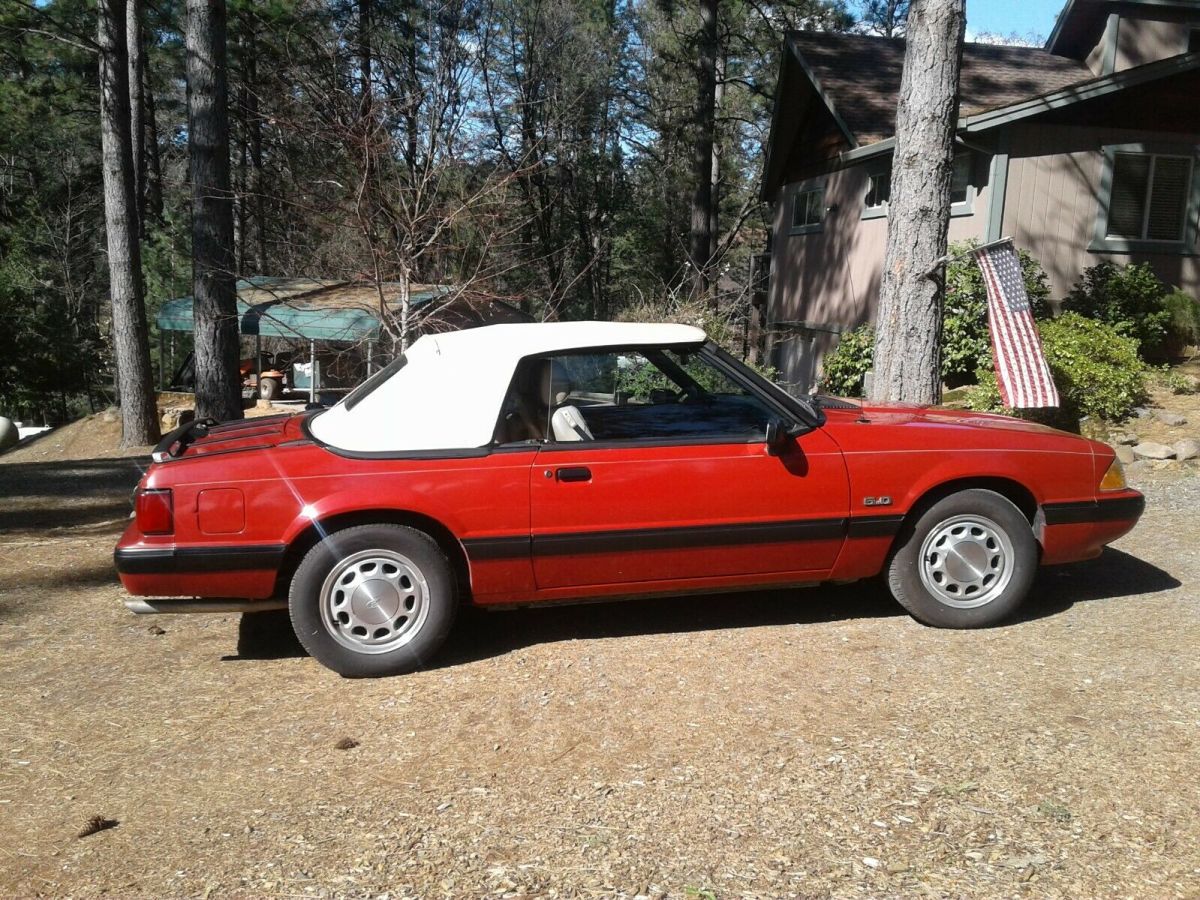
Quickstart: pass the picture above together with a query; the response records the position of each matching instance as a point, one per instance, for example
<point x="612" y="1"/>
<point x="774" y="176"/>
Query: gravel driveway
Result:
<point x="809" y="744"/>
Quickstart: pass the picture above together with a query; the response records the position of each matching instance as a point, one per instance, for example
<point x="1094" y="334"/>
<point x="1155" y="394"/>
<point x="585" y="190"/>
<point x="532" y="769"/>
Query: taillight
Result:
<point x="155" y="512"/>
<point x="1114" y="478"/>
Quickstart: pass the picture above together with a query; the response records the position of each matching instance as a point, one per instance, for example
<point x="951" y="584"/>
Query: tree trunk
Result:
<point x="703" y="122"/>
<point x="130" y="339"/>
<point x="907" y="355"/>
<point x="137" y="120"/>
<point x="714" y="208"/>
<point x="218" y="387"/>
<point x="257" y="181"/>
<point x="154" y="197"/>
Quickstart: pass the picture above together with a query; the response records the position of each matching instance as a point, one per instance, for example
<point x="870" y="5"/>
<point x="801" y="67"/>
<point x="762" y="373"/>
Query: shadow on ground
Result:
<point x="480" y="634"/>
<point x="67" y="494"/>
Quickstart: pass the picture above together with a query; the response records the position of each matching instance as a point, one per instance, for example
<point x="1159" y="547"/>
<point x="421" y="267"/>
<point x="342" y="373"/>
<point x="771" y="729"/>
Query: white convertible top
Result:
<point x="448" y="394"/>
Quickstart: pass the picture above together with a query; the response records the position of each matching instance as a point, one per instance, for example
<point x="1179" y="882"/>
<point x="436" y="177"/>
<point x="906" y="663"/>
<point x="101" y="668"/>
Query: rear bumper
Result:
<point x="213" y="570"/>
<point x="1080" y="530"/>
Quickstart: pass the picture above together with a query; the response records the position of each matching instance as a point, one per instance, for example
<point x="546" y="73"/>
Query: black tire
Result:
<point x="980" y="528"/>
<point x="269" y="388"/>
<point x="384" y="622"/>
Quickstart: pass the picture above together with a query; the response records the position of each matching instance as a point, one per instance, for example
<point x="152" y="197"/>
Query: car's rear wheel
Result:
<point x="373" y="600"/>
<point x="966" y="562"/>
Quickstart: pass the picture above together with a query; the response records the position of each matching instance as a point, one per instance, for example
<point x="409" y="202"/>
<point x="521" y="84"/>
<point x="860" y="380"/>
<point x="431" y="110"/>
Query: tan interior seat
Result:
<point x="540" y="388"/>
<point x="567" y="424"/>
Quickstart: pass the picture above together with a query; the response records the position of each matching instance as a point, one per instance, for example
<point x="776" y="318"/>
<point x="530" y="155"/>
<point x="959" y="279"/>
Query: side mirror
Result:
<point x="777" y="437"/>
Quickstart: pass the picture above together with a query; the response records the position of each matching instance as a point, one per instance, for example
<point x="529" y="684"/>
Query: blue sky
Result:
<point x="1008" y="16"/>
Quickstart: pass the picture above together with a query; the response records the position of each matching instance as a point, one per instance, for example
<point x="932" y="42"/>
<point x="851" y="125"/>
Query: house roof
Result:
<point x="859" y="77"/>
<point x="836" y="101"/>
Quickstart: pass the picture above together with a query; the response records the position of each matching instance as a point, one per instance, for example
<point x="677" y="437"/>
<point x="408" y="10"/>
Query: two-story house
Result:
<point x="1082" y="151"/>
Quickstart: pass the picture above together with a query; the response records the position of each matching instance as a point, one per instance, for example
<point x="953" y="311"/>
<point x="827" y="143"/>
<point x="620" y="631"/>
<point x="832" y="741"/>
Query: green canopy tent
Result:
<point x="303" y="309"/>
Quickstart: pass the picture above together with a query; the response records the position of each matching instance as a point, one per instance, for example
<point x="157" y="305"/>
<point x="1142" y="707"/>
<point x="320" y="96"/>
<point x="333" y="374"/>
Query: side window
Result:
<point x="632" y="395"/>
<point x="1149" y="196"/>
<point x="808" y="210"/>
<point x="962" y="191"/>
<point x="879" y="192"/>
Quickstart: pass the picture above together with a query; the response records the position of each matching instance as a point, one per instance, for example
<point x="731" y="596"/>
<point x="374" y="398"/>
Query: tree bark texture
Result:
<point x="137" y="107"/>
<point x="907" y="358"/>
<point x="131" y="346"/>
<point x="154" y="195"/>
<point x="218" y="386"/>
<point x="704" y="124"/>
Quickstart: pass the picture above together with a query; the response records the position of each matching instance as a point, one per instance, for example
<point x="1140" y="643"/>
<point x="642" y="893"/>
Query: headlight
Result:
<point x="1114" y="478"/>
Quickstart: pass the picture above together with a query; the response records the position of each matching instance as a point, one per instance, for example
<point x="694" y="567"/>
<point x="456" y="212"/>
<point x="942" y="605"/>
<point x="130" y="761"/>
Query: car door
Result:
<point x="675" y="486"/>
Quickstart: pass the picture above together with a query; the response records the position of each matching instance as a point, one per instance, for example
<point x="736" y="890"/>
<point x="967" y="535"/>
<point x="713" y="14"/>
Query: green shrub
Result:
<point x="1096" y="368"/>
<point x="1184" y="324"/>
<point x="1129" y="298"/>
<point x="844" y="368"/>
<point x="965" y="337"/>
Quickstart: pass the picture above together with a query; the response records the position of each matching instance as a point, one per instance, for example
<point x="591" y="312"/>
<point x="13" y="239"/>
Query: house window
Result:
<point x="962" y="192"/>
<point x="879" y="193"/>
<point x="1149" y="196"/>
<point x="808" y="210"/>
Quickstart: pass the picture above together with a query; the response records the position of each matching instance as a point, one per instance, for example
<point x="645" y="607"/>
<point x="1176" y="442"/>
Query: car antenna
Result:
<point x="868" y="377"/>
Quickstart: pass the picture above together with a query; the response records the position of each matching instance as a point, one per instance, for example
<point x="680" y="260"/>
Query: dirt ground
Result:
<point x="786" y="744"/>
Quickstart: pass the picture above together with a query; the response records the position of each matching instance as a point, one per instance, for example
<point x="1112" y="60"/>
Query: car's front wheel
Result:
<point x="373" y="600"/>
<point x="966" y="562"/>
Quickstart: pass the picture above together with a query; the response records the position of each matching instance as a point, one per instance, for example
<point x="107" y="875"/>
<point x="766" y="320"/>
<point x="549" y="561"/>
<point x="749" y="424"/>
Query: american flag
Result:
<point x="1021" y="369"/>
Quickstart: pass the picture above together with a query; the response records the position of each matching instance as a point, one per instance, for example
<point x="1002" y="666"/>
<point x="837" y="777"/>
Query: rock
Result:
<point x="1167" y="417"/>
<point x="9" y="436"/>
<point x="174" y="416"/>
<point x="1188" y="448"/>
<point x="1141" y="412"/>
<point x="1128" y="438"/>
<point x="1152" y="450"/>
<point x="112" y="414"/>
<point x="1125" y="454"/>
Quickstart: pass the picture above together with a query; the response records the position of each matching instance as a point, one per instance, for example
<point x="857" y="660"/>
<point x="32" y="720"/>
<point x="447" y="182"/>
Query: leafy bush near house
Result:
<point x="1129" y="298"/>
<point x="1184" y="324"/>
<point x="1097" y="370"/>
<point x="965" y="338"/>
<point x="849" y="362"/>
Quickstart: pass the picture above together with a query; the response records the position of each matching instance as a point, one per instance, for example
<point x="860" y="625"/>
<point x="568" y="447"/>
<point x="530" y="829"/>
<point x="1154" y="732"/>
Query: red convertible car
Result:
<point x="531" y="463"/>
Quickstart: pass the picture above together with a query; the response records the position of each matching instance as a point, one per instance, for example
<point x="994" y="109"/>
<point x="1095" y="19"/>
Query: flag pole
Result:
<point x="941" y="261"/>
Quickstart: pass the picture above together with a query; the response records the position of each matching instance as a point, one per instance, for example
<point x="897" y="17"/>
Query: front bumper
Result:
<point x="1080" y="530"/>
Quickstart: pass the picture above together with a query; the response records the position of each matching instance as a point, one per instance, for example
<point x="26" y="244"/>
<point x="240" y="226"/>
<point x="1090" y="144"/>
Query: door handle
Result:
<point x="574" y="473"/>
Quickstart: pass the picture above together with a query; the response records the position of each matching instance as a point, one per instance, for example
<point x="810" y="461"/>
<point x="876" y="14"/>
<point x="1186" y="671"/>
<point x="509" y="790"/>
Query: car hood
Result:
<point x="906" y="413"/>
<point x="932" y="427"/>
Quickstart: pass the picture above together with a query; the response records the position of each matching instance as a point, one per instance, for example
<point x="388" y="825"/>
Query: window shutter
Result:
<point x="1168" y="198"/>
<point x="1127" y="204"/>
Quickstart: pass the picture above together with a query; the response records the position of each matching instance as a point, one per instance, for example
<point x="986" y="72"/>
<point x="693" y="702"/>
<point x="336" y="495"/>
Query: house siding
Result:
<point x="828" y="281"/>
<point x="1053" y="200"/>
<point x="1144" y="39"/>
